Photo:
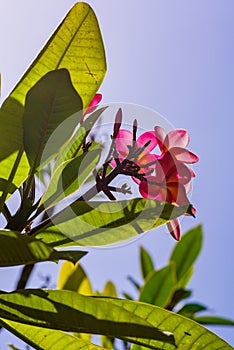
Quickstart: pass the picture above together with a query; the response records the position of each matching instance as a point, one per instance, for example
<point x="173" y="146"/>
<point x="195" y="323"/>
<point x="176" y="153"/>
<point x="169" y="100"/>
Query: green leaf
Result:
<point x="46" y="339"/>
<point x="73" y="277"/>
<point x="70" y="176"/>
<point x="182" y="283"/>
<point x="72" y="312"/>
<point x="186" y="251"/>
<point x="77" y="46"/>
<point x="137" y="322"/>
<point x="147" y="264"/>
<point x="190" y="309"/>
<point x="11" y="128"/>
<point x="159" y="286"/>
<point x="13" y="171"/>
<point x="214" y="320"/>
<point x="19" y="249"/>
<point x="11" y="187"/>
<point x="102" y="223"/>
<point x="110" y="290"/>
<point x="73" y="147"/>
<point x="71" y="255"/>
<point x="49" y="102"/>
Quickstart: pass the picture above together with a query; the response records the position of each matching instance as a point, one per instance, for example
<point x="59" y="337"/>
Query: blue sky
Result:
<point x="175" y="57"/>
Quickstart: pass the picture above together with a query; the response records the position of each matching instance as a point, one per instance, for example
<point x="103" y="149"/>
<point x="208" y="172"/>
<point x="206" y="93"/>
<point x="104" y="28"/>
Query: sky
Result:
<point x="175" y="57"/>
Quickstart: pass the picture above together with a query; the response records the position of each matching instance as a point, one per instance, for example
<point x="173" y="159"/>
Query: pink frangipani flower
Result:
<point x="163" y="177"/>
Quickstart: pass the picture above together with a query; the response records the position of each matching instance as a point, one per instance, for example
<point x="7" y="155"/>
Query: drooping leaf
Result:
<point x="147" y="264"/>
<point x="46" y="339"/>
<point x="75" y="45"/>
<point x="137" y="322"/>
<point x="159" y="287"/>
<point x="19" y="249"/>
<point x="49" y="103"/>
<point x="102" y="223"/>
<point x="187" y="250"/>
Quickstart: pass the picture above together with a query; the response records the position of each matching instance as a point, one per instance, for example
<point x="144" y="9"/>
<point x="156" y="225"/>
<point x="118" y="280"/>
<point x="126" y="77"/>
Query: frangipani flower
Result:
<point x="175" y="142"/>
<point x="164" y="177"/>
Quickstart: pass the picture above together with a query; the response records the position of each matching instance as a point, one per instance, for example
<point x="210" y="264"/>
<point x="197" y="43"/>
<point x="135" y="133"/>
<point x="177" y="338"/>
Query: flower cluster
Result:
<point x="166" y="176"/>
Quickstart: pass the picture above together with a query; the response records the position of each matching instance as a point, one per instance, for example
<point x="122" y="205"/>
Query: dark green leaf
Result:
<point x="70" y="255"/>
<point x="19" y="249"/>
<point x="134" y="282"/>
<point x="159" y="286"/>
<point x="147" y="264"/>
<point x="214" y="320"/>
<point x="187" y="250"/>
<point x="179" y="295"/>
<point x="102" y="223"/>
<point x="189" y="310"/>
<point x="49" y="103"/>
<point x="4" y="183"/>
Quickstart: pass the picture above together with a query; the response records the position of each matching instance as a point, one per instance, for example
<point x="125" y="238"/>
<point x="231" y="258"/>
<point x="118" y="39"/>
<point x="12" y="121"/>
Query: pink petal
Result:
<point x="160" y="136"/>
<point x="177" y="138"/>
<point x="174" y="228"/>
<point x="183" y="155"/>
<point x="146" y="137"/>
<point x="178" y="193"/>
<point x="123" y="140"/>
<point x="95" y="101"/>
<point x="148" y="189"/>
<point x="179" y="173"/>
<point x="146" y="163"/>
<point x="93" y="104"/>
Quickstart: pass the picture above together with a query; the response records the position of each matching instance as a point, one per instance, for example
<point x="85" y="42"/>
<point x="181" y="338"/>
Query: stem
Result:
<point x="98" y="187"/>
<point x="11" y="177"/>
<point x="24" y="277"/>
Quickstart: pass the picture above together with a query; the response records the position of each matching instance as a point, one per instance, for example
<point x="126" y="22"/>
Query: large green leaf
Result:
<point x="48" y="104"/>
<point x="186" y="251"/>
<point x="101" y="223"/>
<point x="77" y="46"/>
<point x="19" y="249"/>
<point x="159" y="287"/>
<point x="147" y="264"/>
<point x="47" y="339"/>
<point x="70" y="311"/>
<point x="142" y="323"/>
